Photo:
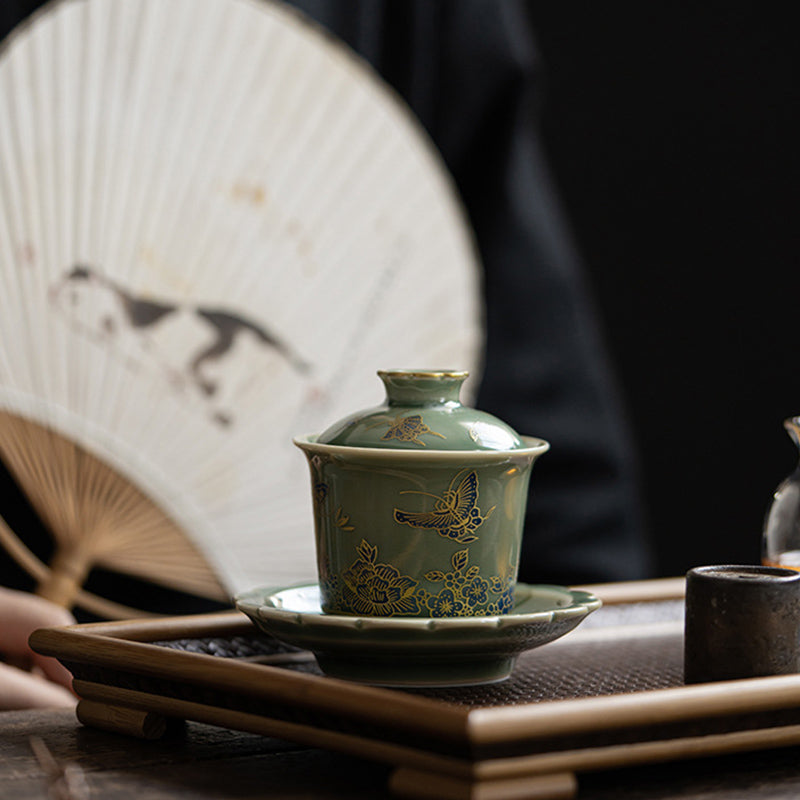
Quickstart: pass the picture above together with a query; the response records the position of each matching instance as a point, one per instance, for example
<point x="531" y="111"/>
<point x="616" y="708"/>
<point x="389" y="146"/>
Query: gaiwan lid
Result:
<point x="422" y="411"/>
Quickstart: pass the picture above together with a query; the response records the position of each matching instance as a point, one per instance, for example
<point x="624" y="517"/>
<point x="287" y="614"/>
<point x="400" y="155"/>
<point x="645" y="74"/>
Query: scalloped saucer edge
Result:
<point x="417" y="651"/>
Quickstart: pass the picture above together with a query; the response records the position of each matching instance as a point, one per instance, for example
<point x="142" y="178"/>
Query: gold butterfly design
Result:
<point x="405" y="429"/>
<point x="455" y="515"/>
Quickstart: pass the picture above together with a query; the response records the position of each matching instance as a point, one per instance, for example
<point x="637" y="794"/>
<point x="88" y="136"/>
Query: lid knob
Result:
<point x="406" y="387"/>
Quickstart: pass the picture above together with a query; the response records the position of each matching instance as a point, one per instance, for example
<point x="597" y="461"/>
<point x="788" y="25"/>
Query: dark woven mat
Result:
<point x="579" y="670"/>
<point x="250" y="647"/>
<point x="570" y="669"/>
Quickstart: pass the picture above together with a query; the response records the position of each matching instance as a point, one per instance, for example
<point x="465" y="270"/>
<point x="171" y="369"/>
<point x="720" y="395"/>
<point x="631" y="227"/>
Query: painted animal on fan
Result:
<point x="210" y="352"/>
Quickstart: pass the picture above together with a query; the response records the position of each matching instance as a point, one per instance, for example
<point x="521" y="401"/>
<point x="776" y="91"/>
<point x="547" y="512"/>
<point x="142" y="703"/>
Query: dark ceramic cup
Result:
<point x="741" y="622"/>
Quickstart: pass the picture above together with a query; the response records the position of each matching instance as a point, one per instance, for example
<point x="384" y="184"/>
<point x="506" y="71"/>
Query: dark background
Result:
<point x="672" y="132"/>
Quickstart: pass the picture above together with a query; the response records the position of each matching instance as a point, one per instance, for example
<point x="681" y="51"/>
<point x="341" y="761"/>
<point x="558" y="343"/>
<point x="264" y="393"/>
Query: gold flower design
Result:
<point x="377" y="589"/>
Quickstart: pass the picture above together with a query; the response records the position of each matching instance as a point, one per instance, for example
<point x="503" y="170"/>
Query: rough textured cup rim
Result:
<point x="744" y="573"/>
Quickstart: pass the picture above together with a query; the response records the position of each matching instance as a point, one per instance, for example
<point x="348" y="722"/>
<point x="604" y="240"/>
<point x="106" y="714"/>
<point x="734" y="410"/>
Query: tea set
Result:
<point x="418" y="510"/>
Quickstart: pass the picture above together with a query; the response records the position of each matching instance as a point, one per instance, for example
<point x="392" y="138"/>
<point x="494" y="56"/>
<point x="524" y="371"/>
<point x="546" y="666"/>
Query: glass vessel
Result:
<point x="781" y="535"/>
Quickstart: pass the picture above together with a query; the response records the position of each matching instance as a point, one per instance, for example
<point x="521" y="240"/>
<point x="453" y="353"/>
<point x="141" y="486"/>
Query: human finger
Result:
<point x="20" y="689"/>
<point x="21" y="614"/>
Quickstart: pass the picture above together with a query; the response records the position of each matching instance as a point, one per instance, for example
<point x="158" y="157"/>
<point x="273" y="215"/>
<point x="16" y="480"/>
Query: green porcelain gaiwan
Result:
<point x="419" y="503"/>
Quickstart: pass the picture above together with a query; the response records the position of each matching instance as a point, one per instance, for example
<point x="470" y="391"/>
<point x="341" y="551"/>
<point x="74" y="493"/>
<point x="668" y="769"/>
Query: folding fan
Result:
<point x="216" y="224"/>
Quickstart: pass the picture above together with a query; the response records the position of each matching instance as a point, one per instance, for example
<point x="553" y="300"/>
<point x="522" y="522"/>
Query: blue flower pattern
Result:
<point x="373" y="588"/>
<point x="466" y="593"/>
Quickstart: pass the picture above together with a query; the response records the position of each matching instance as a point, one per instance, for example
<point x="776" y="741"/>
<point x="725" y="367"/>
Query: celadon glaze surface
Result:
<point x="397" y="651"/>
<point x="422" y="410"/>
<point x="404" y="529"/>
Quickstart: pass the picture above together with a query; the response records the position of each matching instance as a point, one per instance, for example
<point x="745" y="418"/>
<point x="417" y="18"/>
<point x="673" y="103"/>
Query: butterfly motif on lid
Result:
<point x="405" y="429"/>
<point x="455" y="515"/>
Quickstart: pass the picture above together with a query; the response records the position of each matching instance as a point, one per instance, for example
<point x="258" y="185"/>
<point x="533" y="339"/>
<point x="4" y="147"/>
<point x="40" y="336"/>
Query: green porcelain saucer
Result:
<point x="413" y="651"/>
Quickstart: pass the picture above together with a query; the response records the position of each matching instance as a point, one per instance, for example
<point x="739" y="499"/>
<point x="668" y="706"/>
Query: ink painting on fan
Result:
<point x="216" y="224"/>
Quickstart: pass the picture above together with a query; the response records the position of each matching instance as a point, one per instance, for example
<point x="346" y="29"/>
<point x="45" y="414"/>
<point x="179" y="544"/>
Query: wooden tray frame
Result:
<point x="437" y="749"/>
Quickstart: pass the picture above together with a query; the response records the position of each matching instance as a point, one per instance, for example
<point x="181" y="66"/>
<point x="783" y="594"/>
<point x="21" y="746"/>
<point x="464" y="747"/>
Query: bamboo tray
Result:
<point x="609" y="694"/>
